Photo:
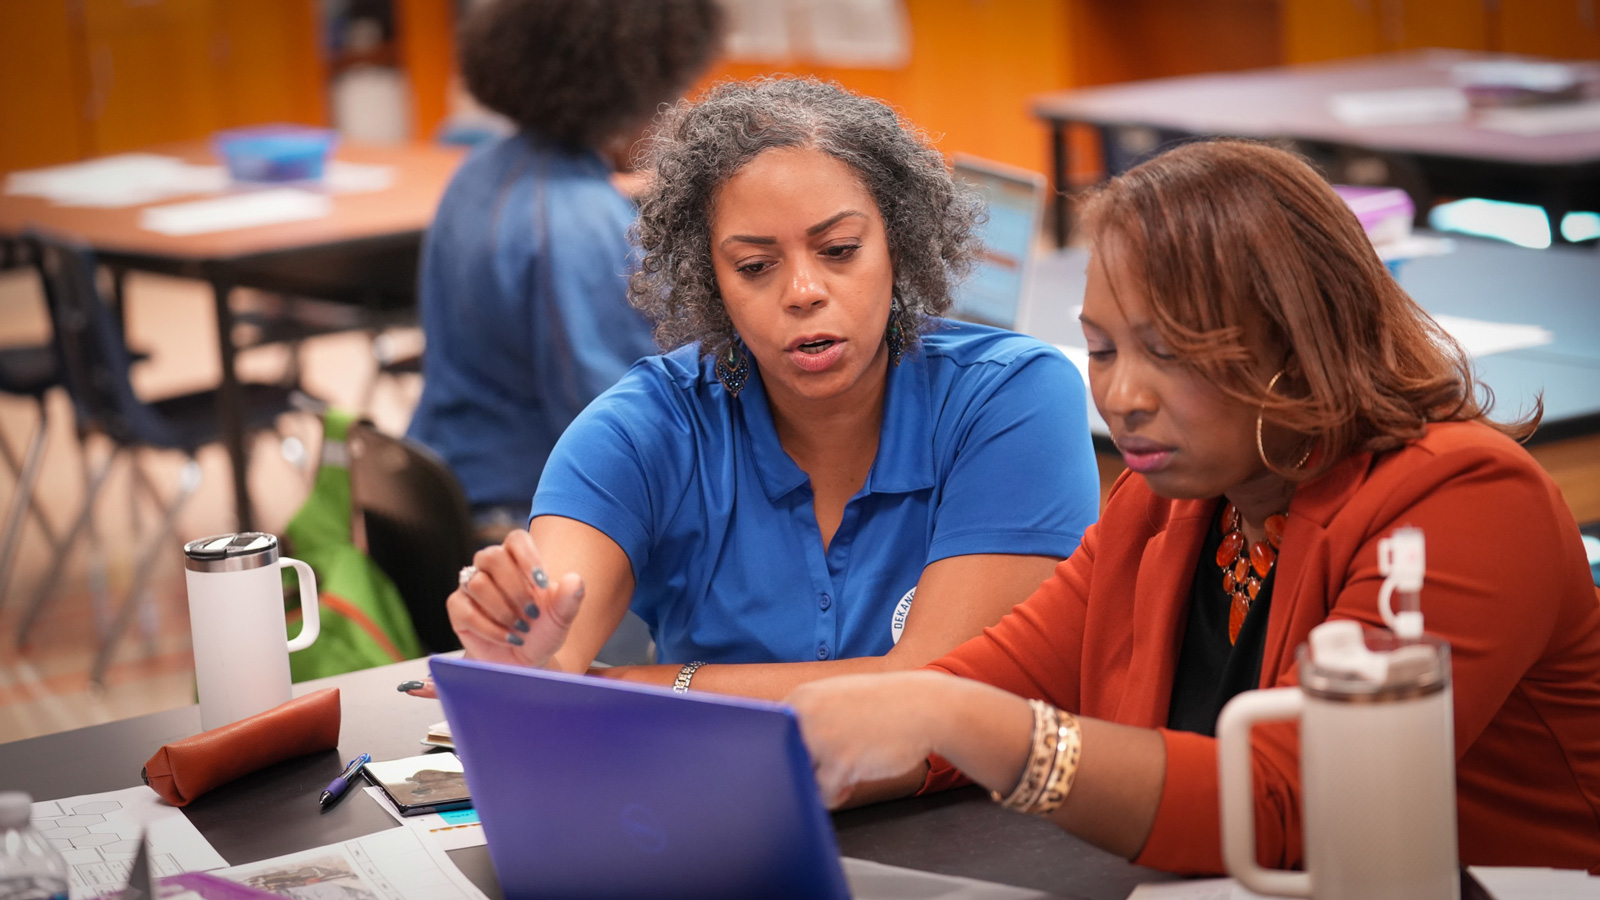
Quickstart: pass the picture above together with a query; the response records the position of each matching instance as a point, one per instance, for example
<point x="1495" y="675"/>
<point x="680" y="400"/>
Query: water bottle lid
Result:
<point x="1347" y="663"/>
<point x="231" y="552"/>
<point x="16" y="808"/>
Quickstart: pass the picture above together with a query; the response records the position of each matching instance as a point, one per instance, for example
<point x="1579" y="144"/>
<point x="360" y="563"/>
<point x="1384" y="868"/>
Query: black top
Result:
<point x="1210" y="670"/>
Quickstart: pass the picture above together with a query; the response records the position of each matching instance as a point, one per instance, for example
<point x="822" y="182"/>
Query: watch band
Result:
<point x="685" y="675"/>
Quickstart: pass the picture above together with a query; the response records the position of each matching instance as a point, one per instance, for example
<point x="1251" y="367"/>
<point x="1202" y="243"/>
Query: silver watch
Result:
<point x="685" y="675"/>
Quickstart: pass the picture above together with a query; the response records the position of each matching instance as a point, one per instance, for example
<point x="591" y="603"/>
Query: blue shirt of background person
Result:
<point x="523" y="288"/>
<point x="983" y="450"/>
<point x="524" y="303"/>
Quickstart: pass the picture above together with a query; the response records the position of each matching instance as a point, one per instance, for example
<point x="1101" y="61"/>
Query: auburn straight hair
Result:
<point x="1243" y="246"/>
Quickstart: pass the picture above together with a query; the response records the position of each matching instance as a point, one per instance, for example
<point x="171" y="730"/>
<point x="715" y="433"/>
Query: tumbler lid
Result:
<point x="1347" y="663"/>
<point x="231" y="552"/>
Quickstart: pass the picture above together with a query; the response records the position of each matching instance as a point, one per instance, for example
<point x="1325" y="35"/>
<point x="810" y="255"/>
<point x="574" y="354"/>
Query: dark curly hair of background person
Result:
<point x="581" y="72"/>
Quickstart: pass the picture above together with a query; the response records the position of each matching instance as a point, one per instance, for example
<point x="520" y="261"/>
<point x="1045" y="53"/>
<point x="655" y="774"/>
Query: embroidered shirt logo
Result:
<point x="897" y="624"/>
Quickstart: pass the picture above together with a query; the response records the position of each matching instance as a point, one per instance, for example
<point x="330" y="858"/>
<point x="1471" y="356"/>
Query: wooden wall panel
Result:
<point x="271" y="67"/>
<point x="974" y="66"/>
<point x="426" y="37"/>
<point x="152" y="72"/>
<point x="1568" y="29"/>
<point x="1130" y="40"/>
<point x="1319" y="30"/>
<point x="42" y="84"/>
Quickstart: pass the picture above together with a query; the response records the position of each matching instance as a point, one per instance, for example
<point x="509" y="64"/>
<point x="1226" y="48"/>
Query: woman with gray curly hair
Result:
<point x="820" y="448"/>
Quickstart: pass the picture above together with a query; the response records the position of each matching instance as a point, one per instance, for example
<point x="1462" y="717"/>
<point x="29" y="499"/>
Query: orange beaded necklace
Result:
<point x="1242" y="575"/>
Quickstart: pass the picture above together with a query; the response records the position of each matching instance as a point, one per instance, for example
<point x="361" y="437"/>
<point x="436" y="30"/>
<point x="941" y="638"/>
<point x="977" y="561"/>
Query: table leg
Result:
<point x="1058" y="185"/>
<point x="230" y="410"/>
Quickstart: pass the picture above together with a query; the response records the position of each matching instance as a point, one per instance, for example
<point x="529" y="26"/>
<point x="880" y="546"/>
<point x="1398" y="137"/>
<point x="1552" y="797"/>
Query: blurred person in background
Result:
<point x="523" y="288"/>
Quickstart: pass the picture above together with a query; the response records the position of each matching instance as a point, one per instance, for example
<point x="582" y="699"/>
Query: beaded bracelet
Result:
<point x="1052" y="763"/>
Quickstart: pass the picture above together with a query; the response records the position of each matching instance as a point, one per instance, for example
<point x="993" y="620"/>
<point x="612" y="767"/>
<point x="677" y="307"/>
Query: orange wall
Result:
<point x="974" y="65"/>
<point x="1316" y="30"/>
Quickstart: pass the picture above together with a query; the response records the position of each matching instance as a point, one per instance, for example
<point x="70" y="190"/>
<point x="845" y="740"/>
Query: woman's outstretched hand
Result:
<point x="507" y="609"/>
<point x="865" y="728"/>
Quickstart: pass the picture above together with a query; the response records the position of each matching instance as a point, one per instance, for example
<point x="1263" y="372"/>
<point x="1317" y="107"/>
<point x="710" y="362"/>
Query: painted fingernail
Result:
<point x="408" y="686"/>
<point x="514" y="639"/>
<point x="531" y="610"/>
<point x="540" y="578"/>
<point x="521" y="625"/>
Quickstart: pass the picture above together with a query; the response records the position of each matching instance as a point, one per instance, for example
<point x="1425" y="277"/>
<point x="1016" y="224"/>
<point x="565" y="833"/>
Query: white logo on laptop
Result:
<point x="646" y="830"/>
<point x="897" y="624"/>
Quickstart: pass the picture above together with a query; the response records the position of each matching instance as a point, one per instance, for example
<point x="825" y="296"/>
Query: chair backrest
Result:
<point x="93" y="356"/>
<point x="417" y="524"/>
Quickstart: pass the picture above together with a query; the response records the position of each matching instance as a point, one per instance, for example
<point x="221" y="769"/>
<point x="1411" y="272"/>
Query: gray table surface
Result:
<point x="274" y="811"/>
<point x="1557" y="288"/>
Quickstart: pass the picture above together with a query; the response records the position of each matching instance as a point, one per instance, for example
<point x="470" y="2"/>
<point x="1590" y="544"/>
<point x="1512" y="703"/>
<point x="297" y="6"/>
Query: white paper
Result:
<point x="1509" y="883"/>
<point x="390" y="865"/>
<point x="868" y="34"/>
<point x="1203" y="889"/>
<point x="1402" y="106"/>
<point x="1543" y="121"/>
<point x="98" y="834"/>
<point x="128" y="179"/>
<point x="354" y="178"/>
<point x="758" y="31"/>
<point x="269" y="207"/>
<point x="1504" y="883"/>
<point x="451" y="831"/>
<point x="875" y="881"/>
<point x="1481" y="338"/>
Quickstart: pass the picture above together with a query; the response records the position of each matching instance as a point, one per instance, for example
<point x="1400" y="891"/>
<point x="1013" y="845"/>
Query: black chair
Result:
<point x="417" y="526"/>
<point x="26" y="371"/>
<point x="94" y="363"/>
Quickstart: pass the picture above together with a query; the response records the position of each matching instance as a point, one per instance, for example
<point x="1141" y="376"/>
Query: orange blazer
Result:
<point x="1508" y="585"/>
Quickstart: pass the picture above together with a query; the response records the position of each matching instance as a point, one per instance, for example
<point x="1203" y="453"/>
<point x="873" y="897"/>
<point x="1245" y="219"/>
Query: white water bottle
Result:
<point x="1377" y="755"/>
<point x="241" y="645"/>
<point x="30" y="869"/>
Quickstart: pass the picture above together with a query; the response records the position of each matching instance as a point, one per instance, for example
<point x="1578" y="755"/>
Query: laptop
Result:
<point x="594" y="788"/>
<point x="994" y="293"/>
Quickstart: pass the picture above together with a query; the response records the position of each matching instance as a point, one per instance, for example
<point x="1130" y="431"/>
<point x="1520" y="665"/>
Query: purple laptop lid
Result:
<point x="594" y="788"/>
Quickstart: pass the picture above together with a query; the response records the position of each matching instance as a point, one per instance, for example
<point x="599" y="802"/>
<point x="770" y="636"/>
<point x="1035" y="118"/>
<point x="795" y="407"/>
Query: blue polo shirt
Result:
<point x="984" y="450"/>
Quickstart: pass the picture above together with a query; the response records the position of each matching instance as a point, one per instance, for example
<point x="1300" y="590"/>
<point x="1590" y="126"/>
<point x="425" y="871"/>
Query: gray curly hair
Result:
<point x="930" y="220"/>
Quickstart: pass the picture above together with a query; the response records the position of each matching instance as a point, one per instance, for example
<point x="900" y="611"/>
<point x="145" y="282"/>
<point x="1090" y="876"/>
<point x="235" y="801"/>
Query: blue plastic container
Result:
<point x="275" y="152"/>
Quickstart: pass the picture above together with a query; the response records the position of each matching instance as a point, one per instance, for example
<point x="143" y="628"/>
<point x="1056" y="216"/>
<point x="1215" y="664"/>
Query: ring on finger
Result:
<point x="466" y="575"/>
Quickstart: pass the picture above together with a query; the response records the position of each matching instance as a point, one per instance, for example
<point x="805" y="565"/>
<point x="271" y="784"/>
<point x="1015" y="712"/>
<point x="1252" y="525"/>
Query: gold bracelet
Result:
<point x="1052" y="763"/>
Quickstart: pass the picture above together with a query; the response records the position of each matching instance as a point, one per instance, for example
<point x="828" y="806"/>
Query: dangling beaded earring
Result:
<point x="894" y="338"/>
<point x="733" y="368"/>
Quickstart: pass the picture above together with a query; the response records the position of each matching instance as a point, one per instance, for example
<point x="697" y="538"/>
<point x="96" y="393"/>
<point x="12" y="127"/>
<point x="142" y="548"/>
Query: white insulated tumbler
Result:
<point x="241" y="645"/>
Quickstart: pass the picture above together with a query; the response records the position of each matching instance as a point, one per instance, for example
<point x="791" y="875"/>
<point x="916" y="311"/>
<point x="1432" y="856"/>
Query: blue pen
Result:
<point x="338" y="786"/>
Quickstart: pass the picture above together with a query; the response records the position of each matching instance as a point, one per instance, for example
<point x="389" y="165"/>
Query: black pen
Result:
<point x="338" y="786"/>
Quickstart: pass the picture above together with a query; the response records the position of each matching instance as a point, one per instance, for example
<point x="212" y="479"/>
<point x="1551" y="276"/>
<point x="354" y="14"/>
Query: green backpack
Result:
<point x="364" y="621"/>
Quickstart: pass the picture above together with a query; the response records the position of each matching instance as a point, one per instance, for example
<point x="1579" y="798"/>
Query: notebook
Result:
<point x="587" y="787"/>
<point x="993" y="294"/>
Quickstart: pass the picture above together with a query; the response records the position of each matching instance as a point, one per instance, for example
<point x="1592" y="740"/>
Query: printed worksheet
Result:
<point x="398" y="864"/>
<point x="452" y="829"/>
<point x="98" y="834"/>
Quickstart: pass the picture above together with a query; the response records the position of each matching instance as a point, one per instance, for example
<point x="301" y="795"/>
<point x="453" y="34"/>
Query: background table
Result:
<point x="1559" y="172"/>
<point x="365" y="251"/>
<point x="1557" y="288"/>
<point x="275" y="811"/>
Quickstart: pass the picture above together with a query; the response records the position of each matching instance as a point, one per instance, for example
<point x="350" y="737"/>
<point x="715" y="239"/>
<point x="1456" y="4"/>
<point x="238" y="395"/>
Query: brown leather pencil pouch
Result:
<point x="183" y="770"/>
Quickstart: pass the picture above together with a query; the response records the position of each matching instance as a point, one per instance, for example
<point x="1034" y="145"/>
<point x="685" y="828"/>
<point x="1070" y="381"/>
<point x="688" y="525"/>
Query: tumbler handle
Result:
<point x="310" y="612"/>
<point x="1238" y="792"/>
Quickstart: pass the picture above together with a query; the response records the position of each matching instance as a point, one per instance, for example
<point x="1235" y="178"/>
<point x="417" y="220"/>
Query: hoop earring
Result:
<point x="1261" y="449"/>
<point x="733" y="368"/>
<point x="894" y="337"/>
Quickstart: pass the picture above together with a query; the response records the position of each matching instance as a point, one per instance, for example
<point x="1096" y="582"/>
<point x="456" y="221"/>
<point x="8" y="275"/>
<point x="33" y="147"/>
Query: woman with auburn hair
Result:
<point x="1271" y="388"/>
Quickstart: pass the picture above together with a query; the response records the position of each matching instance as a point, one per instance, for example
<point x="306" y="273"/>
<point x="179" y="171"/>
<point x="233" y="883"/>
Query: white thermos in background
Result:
<point x="1377" y="756"/>
<point x="241" y="645"/>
